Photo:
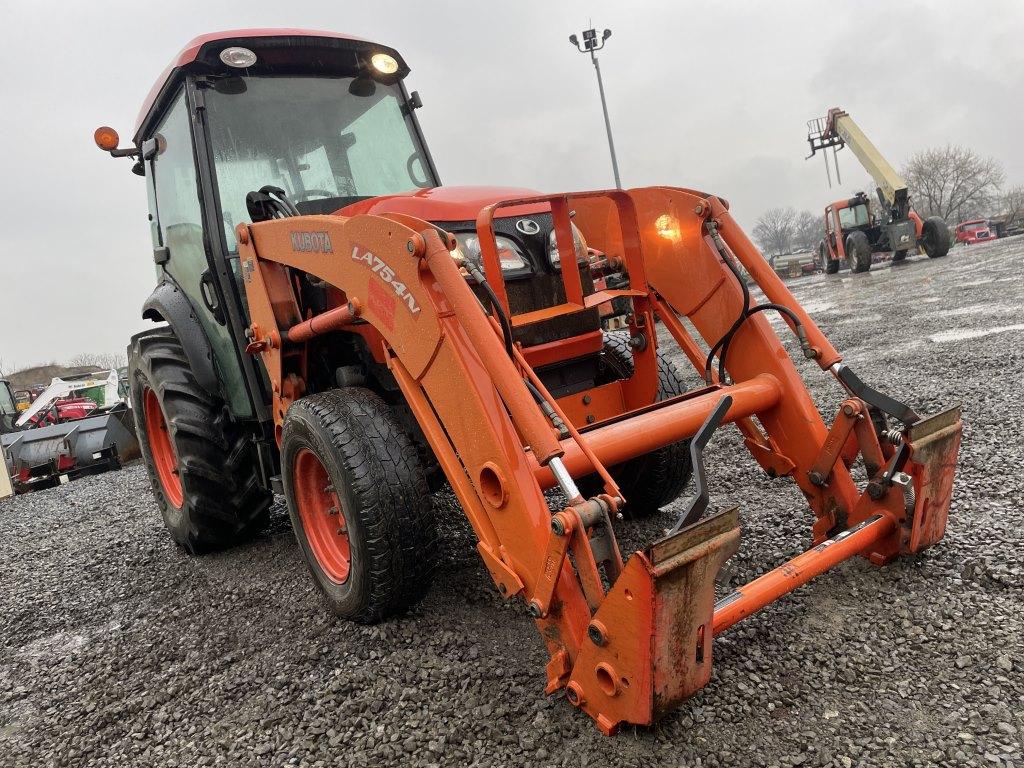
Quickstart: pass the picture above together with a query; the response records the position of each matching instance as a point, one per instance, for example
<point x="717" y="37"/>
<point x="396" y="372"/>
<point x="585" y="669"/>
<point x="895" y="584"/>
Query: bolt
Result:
<point x="848" y="410"/>
<point x="699" y="209"/>
<point x="586" y="399"/>
<point x="875" y="490"/>
<point x="591" y="418"/>
<point x="816" y="478"/>
<point x="332" y="511"/>
<point x="503" y="589"/>
<point x="574" y="694"/>
<point x="535" y="610"/>
<point x="557" y="526"/>
<point x="410" y="246"/>
<point x="596" y="634"/>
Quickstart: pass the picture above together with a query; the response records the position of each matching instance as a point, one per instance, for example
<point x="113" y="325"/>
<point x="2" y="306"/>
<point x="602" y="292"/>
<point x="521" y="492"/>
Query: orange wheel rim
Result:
<point x="164" y="458"/>
<point x="323" y="520"/>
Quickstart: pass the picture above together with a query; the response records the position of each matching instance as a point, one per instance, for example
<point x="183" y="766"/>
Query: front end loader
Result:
<point x="335" y="337"/>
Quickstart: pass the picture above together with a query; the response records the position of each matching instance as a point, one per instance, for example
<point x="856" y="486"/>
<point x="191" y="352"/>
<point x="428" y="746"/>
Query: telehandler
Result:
<point x="852" y="231"/>
<point x="342" y="329"/>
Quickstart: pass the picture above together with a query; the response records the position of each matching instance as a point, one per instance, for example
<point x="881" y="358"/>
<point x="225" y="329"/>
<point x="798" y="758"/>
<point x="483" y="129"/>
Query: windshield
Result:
<point x="312" y="137"/>
<point x="973" y="225"/>
<point x="854" y="216"/>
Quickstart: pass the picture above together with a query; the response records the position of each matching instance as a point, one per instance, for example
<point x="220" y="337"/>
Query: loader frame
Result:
<point x="627" y="639"/>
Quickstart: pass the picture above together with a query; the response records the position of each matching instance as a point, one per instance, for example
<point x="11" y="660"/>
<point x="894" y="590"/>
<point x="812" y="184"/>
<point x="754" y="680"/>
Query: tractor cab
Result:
<point x="254" y="125"/>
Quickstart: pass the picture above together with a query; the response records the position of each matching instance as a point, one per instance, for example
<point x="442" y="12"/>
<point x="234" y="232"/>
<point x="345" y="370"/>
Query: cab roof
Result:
<point x="278" y="51"/>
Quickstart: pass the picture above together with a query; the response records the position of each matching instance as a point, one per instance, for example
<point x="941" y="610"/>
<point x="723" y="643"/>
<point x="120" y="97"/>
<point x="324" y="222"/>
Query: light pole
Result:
<point x="590" y="45"/>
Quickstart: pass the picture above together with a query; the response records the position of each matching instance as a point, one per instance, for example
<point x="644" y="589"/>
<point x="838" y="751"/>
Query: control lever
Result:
<point x="698" y="505"/>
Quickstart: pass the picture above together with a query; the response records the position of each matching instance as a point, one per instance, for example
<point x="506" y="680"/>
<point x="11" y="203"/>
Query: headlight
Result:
<point x="578" y="242"/>
<point x="509" y="255"/>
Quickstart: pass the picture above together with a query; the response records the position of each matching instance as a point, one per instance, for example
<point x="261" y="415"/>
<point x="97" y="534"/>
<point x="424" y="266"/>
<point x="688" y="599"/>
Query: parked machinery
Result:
<point x="852" y="232"/>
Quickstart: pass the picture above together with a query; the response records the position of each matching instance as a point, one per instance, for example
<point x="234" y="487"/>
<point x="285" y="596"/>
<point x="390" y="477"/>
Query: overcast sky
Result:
<point x="709" y="95"/>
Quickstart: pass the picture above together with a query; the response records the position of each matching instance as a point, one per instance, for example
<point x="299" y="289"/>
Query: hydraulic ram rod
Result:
<point x="662" y="425"/>
<point x="771" y="586"/>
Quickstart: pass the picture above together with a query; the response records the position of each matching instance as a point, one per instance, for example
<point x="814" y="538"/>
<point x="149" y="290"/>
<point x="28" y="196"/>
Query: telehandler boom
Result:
<point x="344" y="329"/>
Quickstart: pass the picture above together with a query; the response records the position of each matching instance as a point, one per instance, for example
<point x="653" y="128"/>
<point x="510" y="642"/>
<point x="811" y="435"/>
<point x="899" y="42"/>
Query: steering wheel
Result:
<point x="299" y="197"/>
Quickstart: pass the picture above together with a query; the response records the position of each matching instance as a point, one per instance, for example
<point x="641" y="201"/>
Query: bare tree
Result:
<point x="774" y="229"/>
<point x="1012" y="206"/>
<point x="953" y="182"/>
<point x="104" y="360"/>
<point x="808" y="230"/>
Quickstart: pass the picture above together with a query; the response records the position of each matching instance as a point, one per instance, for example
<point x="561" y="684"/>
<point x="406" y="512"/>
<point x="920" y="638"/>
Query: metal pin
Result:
<point x="564" y="480"/>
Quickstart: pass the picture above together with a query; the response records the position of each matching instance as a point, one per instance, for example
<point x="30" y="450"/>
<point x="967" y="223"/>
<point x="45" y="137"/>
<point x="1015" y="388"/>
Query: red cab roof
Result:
<point x="191" y="50"/>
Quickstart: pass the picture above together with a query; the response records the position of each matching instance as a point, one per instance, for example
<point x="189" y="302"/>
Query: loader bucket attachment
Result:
<point x="649" y="644"/>
<point x="39" y="456"/>
<point x="934" y="446"/>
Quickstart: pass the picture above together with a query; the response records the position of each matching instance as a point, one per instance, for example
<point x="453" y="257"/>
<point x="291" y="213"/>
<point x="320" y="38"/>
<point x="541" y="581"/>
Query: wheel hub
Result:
<point x="165" y="460"/>
<point x="322" y="516"/>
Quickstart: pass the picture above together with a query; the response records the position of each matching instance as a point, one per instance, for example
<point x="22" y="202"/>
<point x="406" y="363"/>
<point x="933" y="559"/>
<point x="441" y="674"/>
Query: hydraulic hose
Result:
<point x="723" y="343"/>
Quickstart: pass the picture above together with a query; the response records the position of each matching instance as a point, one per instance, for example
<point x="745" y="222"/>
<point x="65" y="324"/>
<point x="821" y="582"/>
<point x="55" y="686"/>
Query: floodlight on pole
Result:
<point x="591" y="45"/>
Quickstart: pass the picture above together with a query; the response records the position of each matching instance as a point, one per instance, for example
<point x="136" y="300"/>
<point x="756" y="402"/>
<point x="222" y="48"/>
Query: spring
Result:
<point x="894" y="436"/>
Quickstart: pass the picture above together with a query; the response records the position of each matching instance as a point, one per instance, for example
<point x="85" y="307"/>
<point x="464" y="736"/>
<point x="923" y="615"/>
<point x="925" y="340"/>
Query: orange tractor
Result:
<point x="336" y="337"/>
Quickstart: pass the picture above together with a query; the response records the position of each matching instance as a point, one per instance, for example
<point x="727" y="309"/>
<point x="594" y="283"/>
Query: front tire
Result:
<point x="359" y="503"/>
<point x="201" y="465"/>
<point x="858" y="252"/>
<point x="935" y="237"/>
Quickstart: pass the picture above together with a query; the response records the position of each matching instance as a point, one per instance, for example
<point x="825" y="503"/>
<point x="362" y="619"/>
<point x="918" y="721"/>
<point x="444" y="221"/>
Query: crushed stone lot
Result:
<point x="118" y="649"/>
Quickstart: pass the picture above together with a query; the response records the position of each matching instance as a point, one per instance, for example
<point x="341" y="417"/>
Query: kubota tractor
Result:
<point x="341" y="328"/>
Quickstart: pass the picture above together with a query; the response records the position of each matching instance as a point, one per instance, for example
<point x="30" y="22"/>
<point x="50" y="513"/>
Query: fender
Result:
<point x="169" y="304"/>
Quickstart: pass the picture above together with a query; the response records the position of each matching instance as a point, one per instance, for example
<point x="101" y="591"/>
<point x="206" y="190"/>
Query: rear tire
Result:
<point x="374" y="555"/>
<point x="201" y="465"/>
<point x="858" y="252"/>
<point x="935" y="237"/>
<point x="658" y="478"/>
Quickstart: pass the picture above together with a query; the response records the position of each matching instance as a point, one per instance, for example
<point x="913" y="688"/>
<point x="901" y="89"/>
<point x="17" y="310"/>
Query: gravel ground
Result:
<point x="118" y="649"/>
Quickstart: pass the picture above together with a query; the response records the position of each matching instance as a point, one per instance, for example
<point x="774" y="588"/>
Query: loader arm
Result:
<point x="628" y="639"/>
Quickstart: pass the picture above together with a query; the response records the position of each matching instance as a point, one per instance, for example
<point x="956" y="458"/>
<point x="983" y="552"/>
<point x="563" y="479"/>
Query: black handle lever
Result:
<point x="698" y="505"/>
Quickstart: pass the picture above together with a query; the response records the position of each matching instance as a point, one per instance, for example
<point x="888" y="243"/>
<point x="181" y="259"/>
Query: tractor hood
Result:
<point x="444" y="204"/>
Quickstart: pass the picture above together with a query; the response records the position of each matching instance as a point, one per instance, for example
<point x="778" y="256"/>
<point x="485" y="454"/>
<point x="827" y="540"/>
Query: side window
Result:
<point x="181" y="231"/>
<point x="177" y="198"/>
<point x="828" y="221"/>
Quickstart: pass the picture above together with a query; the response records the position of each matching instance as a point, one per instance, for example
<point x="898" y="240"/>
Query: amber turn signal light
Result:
<point x="106" y="138"/>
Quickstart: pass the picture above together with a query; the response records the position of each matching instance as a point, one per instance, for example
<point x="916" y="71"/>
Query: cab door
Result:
<point x="180" y="244"/>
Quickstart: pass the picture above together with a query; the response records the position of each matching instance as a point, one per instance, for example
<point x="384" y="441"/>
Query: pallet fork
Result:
<point x="629" y="639"/>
